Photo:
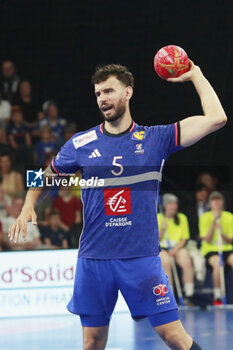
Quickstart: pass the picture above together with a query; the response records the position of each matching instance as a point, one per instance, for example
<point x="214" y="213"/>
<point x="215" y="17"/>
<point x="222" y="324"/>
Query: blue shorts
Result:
<point x="142" y="282"/>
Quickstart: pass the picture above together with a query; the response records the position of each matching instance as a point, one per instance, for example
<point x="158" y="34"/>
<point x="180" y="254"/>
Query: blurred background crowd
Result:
<point x="31" y="133"/>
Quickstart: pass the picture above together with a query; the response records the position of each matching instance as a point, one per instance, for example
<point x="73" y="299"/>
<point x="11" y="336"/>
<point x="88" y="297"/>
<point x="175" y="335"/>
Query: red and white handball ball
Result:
<point x="171" y="61"/>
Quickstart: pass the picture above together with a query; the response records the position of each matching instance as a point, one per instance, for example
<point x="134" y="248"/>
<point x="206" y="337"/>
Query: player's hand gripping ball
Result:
<point x="171" y="61"/>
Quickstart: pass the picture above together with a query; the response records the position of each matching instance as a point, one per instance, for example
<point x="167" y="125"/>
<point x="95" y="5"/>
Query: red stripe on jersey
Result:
<point x="176" y="134"/>
<point x="52" y="164"/>
<point x="101" y="128"/>
<point x="132" y="126"/>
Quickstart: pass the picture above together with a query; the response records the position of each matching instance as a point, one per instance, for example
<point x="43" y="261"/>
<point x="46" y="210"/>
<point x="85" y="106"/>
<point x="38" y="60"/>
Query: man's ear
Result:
<point x="129" y="92"/>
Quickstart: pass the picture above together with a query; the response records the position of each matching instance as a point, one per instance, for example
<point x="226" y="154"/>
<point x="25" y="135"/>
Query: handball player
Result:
<point x="119" y="246"/>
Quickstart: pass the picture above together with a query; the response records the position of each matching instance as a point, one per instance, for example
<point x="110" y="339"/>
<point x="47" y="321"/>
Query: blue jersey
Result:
<point x="19" y="132"/>
<point x="44" y="149"/>
<point x="120" y="217"/>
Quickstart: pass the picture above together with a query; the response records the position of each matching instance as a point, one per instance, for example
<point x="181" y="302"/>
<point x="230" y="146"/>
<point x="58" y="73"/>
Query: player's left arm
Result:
<point x="194" y="128"/>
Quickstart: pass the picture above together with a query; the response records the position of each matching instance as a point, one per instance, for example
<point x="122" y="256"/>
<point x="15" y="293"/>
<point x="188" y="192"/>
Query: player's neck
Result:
<point x="119" y="125"/>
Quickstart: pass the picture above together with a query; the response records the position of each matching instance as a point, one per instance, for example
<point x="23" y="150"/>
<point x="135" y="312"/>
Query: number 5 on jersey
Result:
<point x="120" y="166"/>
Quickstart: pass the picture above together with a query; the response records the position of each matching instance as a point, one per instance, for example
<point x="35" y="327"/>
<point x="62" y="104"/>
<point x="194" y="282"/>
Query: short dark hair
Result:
<point x="122" y="73"/>
<point x="201" y="187"/>
<point x="7" y="154"/>
<point x="25" y="81"/>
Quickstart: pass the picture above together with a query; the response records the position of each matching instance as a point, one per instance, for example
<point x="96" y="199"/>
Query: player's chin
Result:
<point x="110" y="118"/>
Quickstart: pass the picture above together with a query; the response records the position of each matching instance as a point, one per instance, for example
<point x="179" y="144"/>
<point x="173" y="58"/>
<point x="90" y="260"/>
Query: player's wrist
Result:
<point x="27" y="207"/>
<point x="197" y="75"/>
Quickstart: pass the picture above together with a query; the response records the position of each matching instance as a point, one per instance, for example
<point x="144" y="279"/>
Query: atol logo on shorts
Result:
<point x="161" y="290"/>
<point x="117" y="201"/>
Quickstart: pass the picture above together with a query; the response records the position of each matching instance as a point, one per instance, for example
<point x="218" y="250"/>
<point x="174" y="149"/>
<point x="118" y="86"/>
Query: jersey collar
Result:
<point x="105" y="132"/>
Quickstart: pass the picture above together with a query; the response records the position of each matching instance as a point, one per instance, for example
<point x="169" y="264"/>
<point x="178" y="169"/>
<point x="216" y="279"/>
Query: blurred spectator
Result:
<point x="74" y="235"/>
<point x="76" y="190"/>
<point x="9" y="81"/>
<point x="3" y="137"/>
<point x="45" y="105"/>
<point x="213" y="224"/>
<point x="45" y="147"/>
<point x="208" y="180"/>
<point x="27" y="103"/>
<point x="198" y="205"/>
<point x="35" y="130"/>
<point x="53" y="193"/>
<point x="202" y="202"/>
<point x="69" y="207"/>
<point x="212" y="184"/>
<point x="5" y="111"/>
<point x="17" y="130"/>
<point x="174" y="231"/>
<point x="12" y="181"/>
<point x="19" y="137"/>
<point x="55" y="122"/>
<point x="40" y="115"/>
<point x="54" y="235"/>
<point x="70" y="130"/>
<point x="5" y="200"/>
<point x="48" y="160"/>
<point x="44" y="207"/>
<point x="33" y="235"/>
<point x="42" y="211"/>
<point x="1" y="237"/>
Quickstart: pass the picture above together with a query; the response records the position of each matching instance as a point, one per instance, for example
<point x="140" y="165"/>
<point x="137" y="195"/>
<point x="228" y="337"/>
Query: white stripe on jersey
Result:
<point x="97" y="152"/>
<point x="129" y="180"/>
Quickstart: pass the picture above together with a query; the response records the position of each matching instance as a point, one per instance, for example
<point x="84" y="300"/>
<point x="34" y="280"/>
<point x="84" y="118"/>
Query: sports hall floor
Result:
<point x="212" y="329"/>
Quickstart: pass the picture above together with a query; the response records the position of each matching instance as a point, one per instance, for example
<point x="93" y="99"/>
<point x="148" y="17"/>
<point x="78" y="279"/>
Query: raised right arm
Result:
<point x="193" y="129"/>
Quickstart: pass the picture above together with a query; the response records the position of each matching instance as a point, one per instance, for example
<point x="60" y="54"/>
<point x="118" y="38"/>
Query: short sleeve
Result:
<point x="168" y="138"/>
<point x="185" y="227"/>
<point x="231" y="227"/>
<point x="66" y="161"/>
<point x="7" y="110"/>
<point x="159" y="221"/>
<point x="78" y="204"/>
<point x="203" y="225"/>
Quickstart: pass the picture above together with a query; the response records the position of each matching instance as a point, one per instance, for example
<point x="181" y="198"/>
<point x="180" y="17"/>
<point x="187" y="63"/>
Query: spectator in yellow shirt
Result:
<point x="174" y="232"/>
<point x="211" y="224"/>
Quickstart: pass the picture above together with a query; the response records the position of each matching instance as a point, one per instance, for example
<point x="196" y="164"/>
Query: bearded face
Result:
<point x="112" y="112"/>
<point x="111" y="98"/>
